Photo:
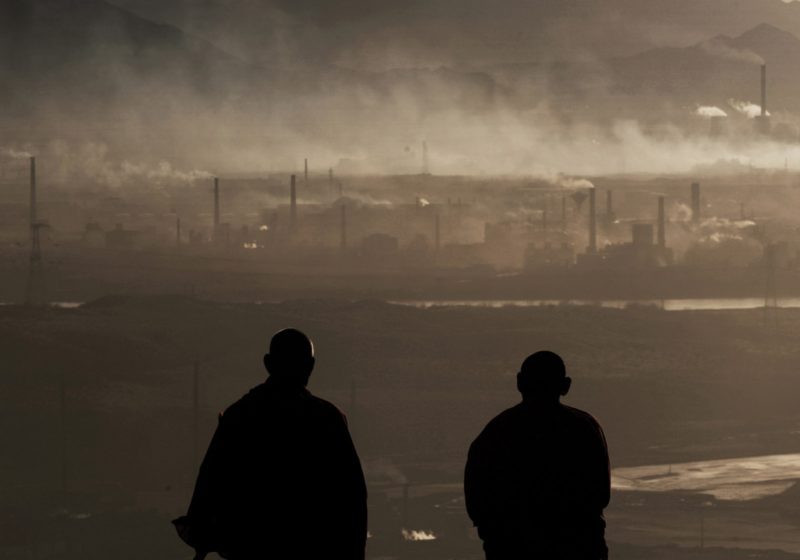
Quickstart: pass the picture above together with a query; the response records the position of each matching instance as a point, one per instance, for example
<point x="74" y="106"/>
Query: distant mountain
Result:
<point x="84" y="54"/>
<point x="714" y="71"/>
<point x="90" y="69"/>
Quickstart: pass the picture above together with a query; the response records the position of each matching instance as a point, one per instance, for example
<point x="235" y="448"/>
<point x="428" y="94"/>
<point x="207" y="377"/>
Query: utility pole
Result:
<point x="62" y="413"/>
<point x="196" y="416"/>
<point x="35" y="274"/>
<point x="770" y="289"/>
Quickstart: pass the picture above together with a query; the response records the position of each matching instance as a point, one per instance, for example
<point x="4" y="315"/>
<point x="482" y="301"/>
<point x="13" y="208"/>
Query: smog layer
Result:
<point x="432" y="191"/>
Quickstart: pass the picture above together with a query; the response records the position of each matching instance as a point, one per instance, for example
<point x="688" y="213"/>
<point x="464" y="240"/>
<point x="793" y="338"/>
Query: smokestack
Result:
<point x="425" y="170"/>
<point x="662" y="225"/>
<point x="293" y="205"/>
<point x="305" y="173"/>
<point x="178" y="231"/>
<point x="343" y="228"/>
<point x="437" y="234"/>
<point x="544" y="224"/>
<point x="216" y="204"/>
<point x="33" y="208"/>
<point x="404" y="508"/>
<point x="696" y="202"/>
<point x="763" y="91"/>
<point x="610" y="205"/>
<point x="592" y="223"/>
<point x="564" y="213"/>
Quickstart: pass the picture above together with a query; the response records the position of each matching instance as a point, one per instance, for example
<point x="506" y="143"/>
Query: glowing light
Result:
<point x="415" y="535"/>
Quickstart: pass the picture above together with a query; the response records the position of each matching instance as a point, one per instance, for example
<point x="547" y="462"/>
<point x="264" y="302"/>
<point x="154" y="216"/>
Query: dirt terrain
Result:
<point x="97" y="408"/>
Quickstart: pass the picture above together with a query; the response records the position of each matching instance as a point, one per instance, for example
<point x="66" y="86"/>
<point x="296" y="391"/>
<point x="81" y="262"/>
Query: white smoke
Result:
<point x="680" y="212"/>
<point x="709" y="111"/>
<point x="724" y="223"/>
<point x="573" y="183"/>
<point x="15" y="154"/>
<point x="751" y="110"/>
<point x="716" y="47"/>
<point x="93" y="163"/>
<point x="162" y="172"/>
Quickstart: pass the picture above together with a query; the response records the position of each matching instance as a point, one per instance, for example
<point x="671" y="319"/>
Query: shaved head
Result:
<point x="291" y="356"/>
<point x="543" y="374"/>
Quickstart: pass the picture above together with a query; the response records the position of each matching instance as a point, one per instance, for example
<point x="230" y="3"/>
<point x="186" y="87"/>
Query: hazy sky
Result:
<point x="389" y="33"/>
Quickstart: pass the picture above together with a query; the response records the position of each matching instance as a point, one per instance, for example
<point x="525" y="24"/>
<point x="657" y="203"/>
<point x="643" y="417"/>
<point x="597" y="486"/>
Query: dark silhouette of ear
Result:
<point x="565" y="385"/>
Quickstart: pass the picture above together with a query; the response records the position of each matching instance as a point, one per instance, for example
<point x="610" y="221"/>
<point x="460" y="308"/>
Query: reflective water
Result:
<point x="697" y="304"/>
<point x="745" y="478"/>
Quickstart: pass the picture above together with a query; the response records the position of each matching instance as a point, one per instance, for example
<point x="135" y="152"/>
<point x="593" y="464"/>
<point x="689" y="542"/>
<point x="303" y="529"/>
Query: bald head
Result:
<point x="543" y="376"/>
<point x="290" y="357"/>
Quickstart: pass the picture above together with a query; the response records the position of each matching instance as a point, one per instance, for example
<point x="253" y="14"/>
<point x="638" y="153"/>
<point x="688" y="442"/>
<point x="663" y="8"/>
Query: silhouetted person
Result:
<point x="281" y="478"/>
<point x="537" y="477"/>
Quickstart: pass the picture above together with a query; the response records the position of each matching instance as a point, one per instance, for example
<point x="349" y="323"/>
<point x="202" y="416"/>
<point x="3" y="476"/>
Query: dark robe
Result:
<point x="536" y="483"/>
<point x="281" y="479"/>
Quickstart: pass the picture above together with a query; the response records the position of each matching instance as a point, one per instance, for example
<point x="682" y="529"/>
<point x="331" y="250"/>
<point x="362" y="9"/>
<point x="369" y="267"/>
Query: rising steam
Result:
<point x="15" y="154"/>
<point x="751" y="110"/>
<point x="716" y="47"/>
<point x="709" y="111"/>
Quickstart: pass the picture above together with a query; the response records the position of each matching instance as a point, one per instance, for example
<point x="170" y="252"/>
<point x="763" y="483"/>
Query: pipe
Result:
<point x="695" y="202"/>
<point x="437" y="233"/>
<point x="592" y="223"/>
<point x="33" y="209"/>
<point x="216" y="204"/>
<point x="293" y="204"/>
<point x="662" y="225"/>
<point x="343" y="228"/>
<point x="763" y="91"/>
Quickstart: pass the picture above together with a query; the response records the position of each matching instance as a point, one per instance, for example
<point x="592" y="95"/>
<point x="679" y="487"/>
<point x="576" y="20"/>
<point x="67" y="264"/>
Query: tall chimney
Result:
<point x="425" y="169"/>
<point x="178" y="231"/>
<point x="564" y="213"/>
<point x="696" y="202"/>
<point x="763" y="91"/>
<point x="609" y="203"/>
<point x="437" y="234"/>
<point x="592" y="222"/>
<point x="662" y="224"/>
<point x="305" y="173"/>
<point x="544" y="224"/>
<point x="33" y="209"/>
<point x="293" y="205"/>
<point x="216" y="204"/>
<point x="343" y="228"/>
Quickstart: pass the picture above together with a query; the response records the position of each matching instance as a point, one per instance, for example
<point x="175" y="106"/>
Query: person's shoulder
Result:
<point x="581" y="416"/>
<point x="326" y="408"/>
<point x="508" y="417"/>
<point x="242" y="408"/>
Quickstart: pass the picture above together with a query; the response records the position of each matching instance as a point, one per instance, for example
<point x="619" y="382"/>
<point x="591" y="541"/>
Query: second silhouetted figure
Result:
<point x="537" y="477"/>
<point x="281" y="478"/>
